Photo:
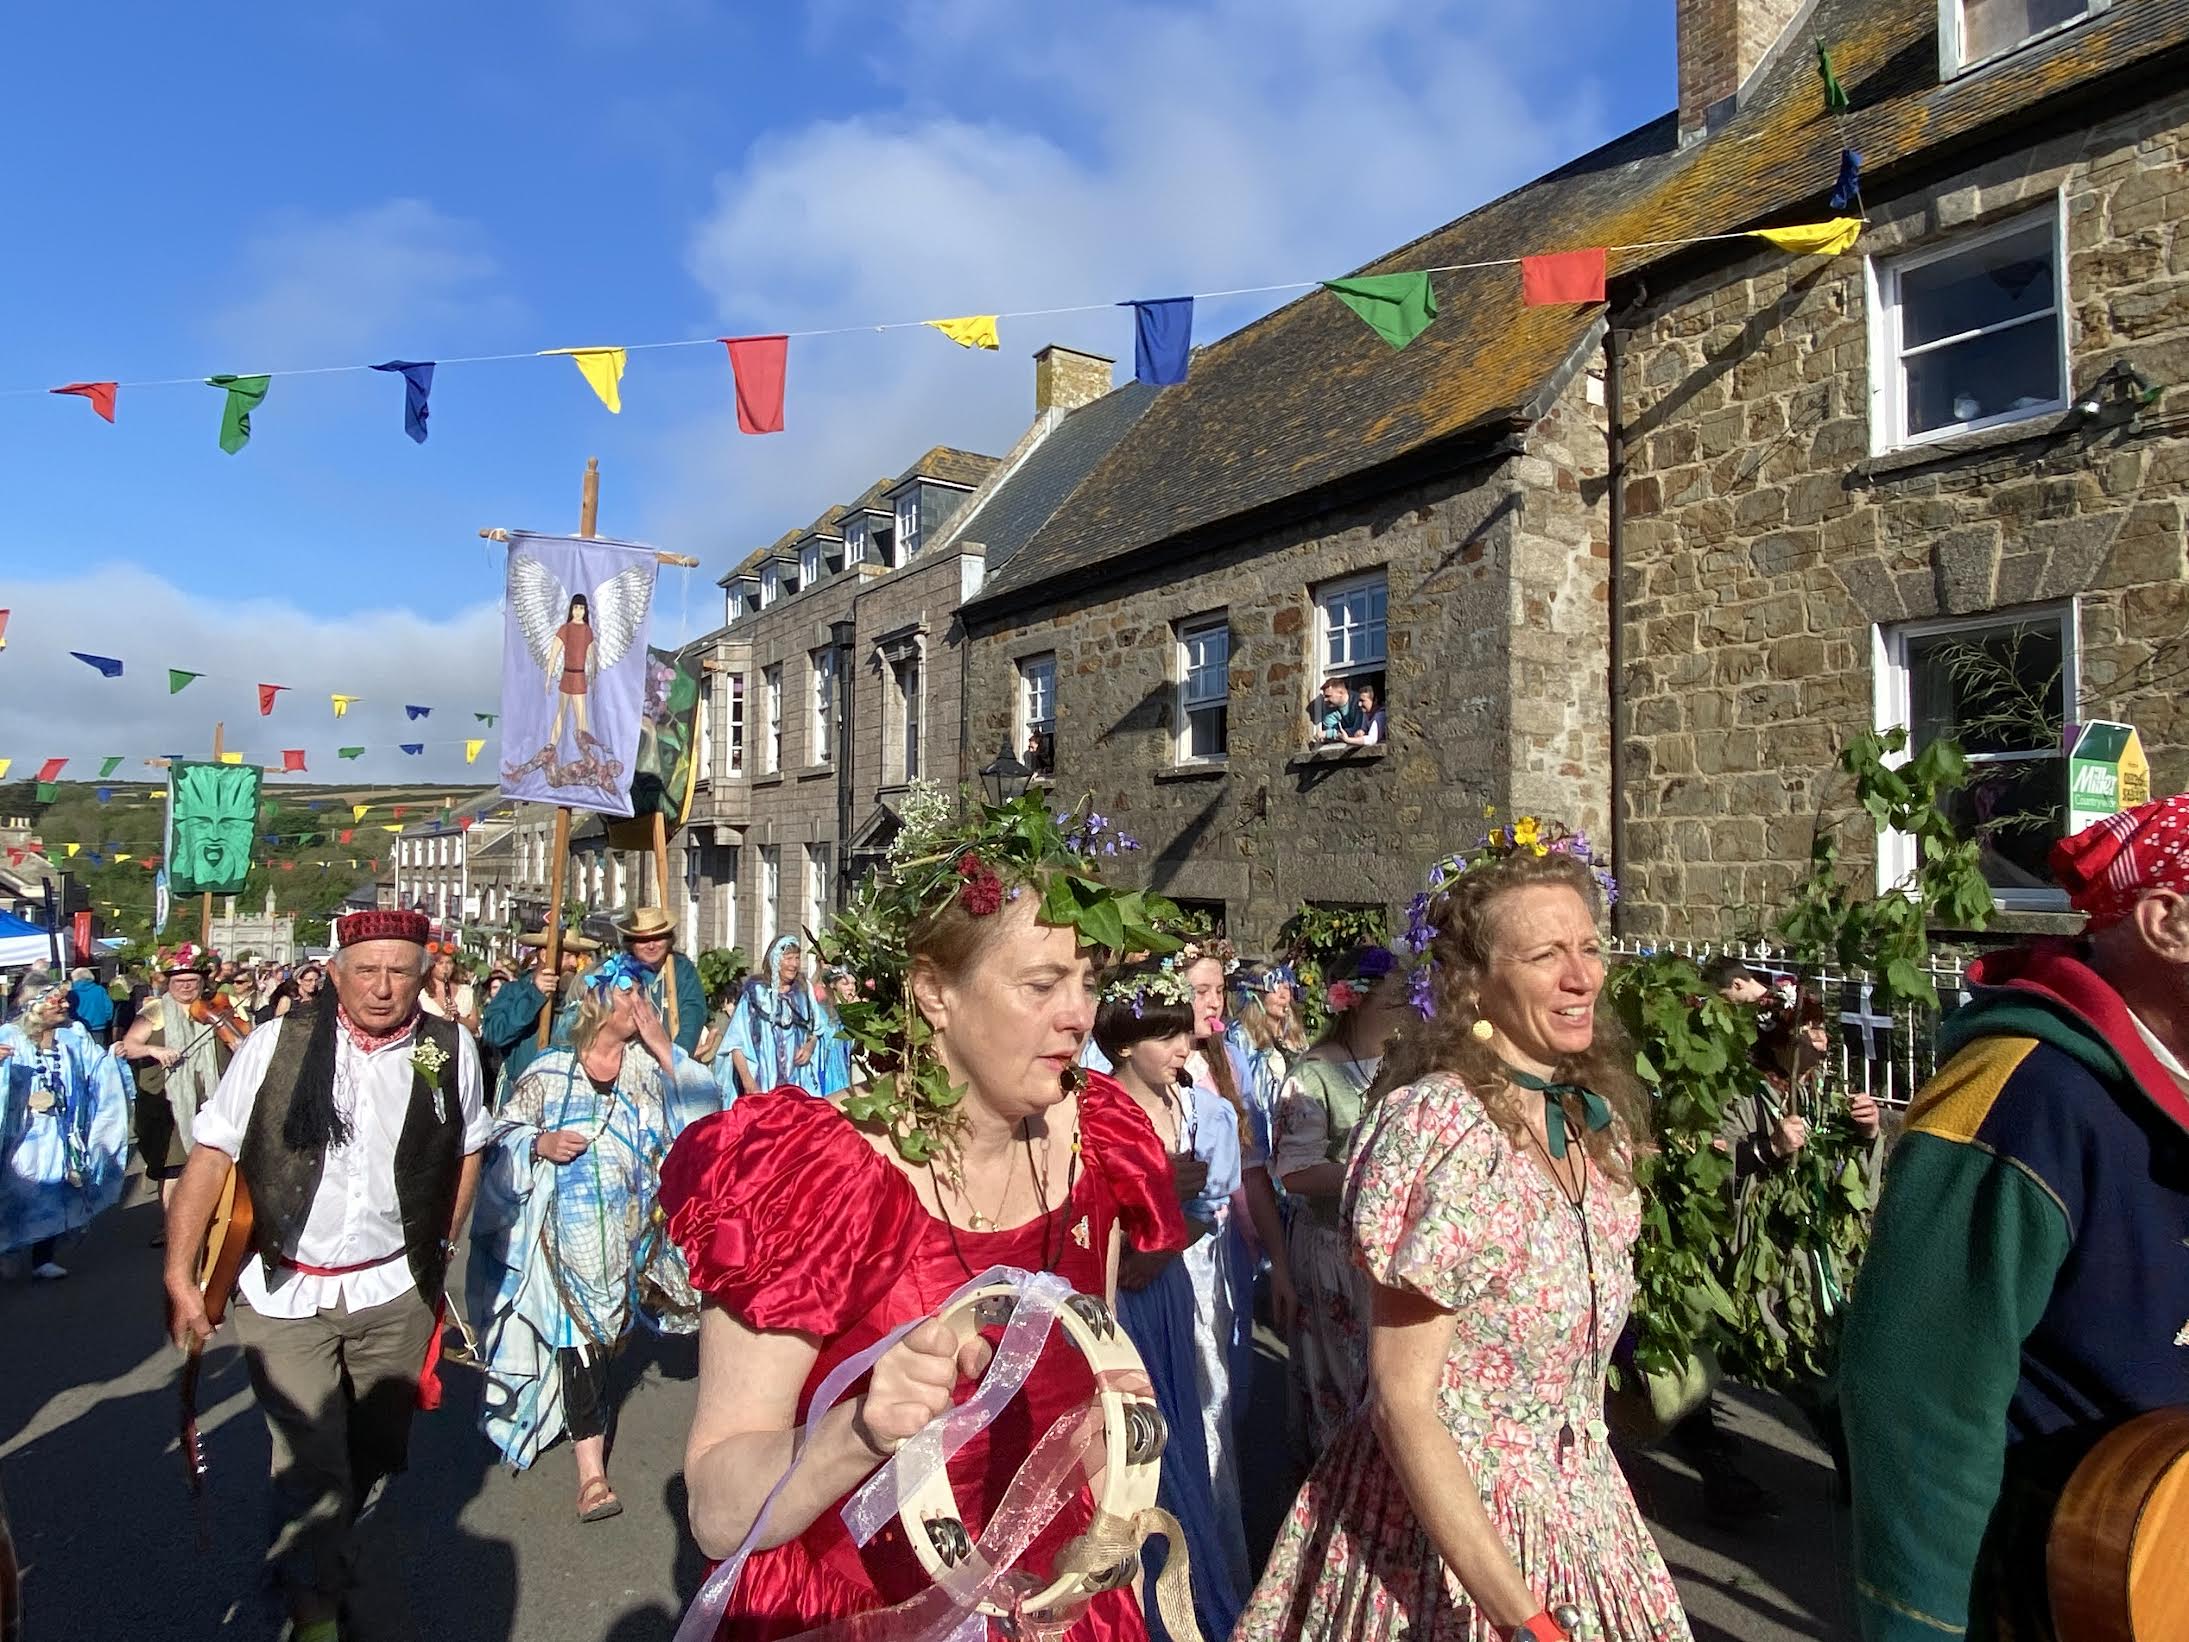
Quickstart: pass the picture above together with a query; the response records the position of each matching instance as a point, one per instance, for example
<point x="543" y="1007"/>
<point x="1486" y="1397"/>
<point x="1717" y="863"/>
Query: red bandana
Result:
<point x="2110" y="863"/>
<point x="366" y="1041"/>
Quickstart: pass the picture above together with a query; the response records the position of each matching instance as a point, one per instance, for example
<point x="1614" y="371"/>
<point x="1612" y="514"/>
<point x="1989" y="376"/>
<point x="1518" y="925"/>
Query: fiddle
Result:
<point x="224" y="1019"/>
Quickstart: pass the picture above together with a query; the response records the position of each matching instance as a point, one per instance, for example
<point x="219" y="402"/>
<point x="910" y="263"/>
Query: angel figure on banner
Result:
<point x="574" y="638"/>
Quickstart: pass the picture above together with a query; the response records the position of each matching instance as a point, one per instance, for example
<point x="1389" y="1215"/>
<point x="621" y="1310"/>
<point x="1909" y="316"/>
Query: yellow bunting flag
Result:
<point x="159" y="792"/>
<point x="973" y="331"/>
<point x="4" y="763"/>
<point x="1815" y="239"/>
<point x="391" y="826"/>
<point x="125" y="861"/>
<point x="471" y="751"/>
<point x="231" y="758"/>
<point x="343" y="704"/>
<point x="72" y="849"/>
<point x="357" y="811"/>
<point x="602" y="369"/>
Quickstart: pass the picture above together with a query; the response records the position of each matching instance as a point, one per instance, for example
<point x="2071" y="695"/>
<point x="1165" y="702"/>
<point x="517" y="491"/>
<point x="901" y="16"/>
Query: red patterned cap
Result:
<point x="2107" y="866"/>
<point x="383" y="924"/>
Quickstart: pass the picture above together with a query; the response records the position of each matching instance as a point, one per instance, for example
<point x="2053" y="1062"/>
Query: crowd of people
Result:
<point x="1422" y="1173"/>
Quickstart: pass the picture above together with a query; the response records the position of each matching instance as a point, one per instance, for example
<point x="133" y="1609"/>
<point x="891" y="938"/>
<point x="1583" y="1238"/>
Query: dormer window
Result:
<point x="1972" y="33"/>
<point x="730" y="611"/>
<point x="908" y="525"/>
<point x="809" y="564"/>
<point x="855" y="541"/>
<point x="771" y="587"/>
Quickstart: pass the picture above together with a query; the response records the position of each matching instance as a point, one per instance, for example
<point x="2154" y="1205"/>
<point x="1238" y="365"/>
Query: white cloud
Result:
<point x="332" y="290"/>
<point x="53" y="706"/>
<point x="1135" y="151"/>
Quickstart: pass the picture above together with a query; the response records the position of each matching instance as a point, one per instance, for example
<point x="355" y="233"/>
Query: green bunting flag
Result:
<point x="177" y="680"/>
<point x="48" y="791"/>
<point x="349" y="752"/>
<point x="215" y="806"/>
<point x="488" y="719"/>
<point x="1397" y="307"/>
<point x="245" y="395"/>
<point x="108" y="766"/>
<point x="1835" y="94"/>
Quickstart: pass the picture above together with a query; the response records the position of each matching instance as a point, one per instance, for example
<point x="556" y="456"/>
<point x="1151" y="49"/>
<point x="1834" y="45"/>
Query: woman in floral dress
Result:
<point x="1490" y="1200"/>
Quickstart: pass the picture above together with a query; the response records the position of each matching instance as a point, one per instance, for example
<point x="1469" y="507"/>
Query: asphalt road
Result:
<point x="466" y="1552"/>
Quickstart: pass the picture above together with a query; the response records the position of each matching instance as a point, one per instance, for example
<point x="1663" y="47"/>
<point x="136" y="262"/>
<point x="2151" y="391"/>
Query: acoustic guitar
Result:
<point x="227" y="1246"/>
<point x="2119" y="1545"/>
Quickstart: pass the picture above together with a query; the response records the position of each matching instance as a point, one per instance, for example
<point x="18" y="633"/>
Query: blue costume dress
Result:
<point x="1182" y="1325"/>
<point x="770" y="1025"/>
<point x="833" y="1056"/>
<point x="564" y="1256"/>
<point x="64" y="1134"/>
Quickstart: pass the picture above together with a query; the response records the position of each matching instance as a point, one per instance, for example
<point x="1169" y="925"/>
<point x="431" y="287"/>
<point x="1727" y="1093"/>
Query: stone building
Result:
<point x="837" y="678"/>
<point x="1728" y="511"/>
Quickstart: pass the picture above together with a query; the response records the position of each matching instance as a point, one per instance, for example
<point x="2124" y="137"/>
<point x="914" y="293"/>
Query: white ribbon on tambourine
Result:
<point x="975" y="1581"/>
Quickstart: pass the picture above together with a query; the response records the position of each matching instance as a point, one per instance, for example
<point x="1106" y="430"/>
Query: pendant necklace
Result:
<point x="1577" y="1201"/>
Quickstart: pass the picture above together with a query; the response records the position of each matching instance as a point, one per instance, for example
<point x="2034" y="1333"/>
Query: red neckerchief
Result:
<point x="368" y="1042"/>
<point x="2053" y="968"/>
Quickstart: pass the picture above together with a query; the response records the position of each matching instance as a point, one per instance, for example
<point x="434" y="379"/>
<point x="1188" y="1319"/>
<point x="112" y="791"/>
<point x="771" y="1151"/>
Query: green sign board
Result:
<point x="2106" y="773"/>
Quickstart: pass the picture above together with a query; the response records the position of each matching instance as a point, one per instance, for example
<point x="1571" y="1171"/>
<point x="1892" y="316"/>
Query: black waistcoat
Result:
<point x="429" y="1154"/>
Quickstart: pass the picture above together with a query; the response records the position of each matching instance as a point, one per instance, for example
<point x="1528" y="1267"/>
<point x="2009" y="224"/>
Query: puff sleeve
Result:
<point x="1121" y="1145"/>
<point x="1428" y="1194"/>
<point x="786" y="1215"/>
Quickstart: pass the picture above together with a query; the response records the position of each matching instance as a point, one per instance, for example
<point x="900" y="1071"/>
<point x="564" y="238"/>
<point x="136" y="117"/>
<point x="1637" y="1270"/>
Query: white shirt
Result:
<point x="355" y="1216"/>
<point x="2159" y="1052"/>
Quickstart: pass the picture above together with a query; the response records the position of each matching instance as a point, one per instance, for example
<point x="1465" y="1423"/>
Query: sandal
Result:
<point x="597" y="1501"/>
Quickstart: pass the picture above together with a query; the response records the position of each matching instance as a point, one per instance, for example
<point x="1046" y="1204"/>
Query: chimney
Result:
<point x="1722" y="43"/>
<point x="1065" y="379"/>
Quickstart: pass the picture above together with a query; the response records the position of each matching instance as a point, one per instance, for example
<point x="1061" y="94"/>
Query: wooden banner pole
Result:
<point x="559" y="852"/>
<point x="661" y="884"/>
<point x="205" y="906"/>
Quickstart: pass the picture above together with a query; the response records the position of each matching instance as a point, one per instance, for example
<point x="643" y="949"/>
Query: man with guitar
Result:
<point x="355" y="1130"/>
<point x="2027" y="1290"/>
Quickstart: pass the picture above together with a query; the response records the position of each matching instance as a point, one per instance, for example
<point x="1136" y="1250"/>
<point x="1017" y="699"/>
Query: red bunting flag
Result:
<point x="1563" y="276"/>
<point x="3" y="629"/>
<point x="347" y="834"/>
<point x="399" y="811"/>
<point x="758" y="365"/>
<point x="266" y="694"/>
<point x="464" y="823"/>
<point x="50" y="770"/>
<point x="101" y="395"/>
<point x="288" y="866"/>
<point x="292" y="758"/>
<point x="15" y="856"/>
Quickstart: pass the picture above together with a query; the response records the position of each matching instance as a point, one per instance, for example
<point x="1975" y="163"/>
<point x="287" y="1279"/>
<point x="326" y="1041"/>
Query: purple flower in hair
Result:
<point x="1421" y="990"/>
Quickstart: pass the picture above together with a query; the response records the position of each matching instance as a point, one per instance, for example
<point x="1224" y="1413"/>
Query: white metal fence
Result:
<point x="1883" y="1054"/>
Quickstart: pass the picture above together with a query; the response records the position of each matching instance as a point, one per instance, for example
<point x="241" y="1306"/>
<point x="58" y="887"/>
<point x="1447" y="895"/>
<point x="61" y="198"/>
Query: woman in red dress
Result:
<point x="570" y="667"/>
<point x="812" y="1235"/>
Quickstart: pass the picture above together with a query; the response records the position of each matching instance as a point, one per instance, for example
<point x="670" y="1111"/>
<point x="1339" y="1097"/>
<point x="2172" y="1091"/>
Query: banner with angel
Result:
<point x="575" y="619"/>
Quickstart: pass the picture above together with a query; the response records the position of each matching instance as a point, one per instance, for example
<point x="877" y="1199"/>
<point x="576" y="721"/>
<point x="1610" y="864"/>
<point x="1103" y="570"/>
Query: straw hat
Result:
<point x="647" y="923"/>
<point x="572" y="941"/>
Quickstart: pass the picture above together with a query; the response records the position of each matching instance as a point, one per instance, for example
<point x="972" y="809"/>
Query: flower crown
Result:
<point x="1141" y="987"/>
<point x="1200" y="947"/>
<point x="1526" y="836"/>
<point x="984" y="858"/>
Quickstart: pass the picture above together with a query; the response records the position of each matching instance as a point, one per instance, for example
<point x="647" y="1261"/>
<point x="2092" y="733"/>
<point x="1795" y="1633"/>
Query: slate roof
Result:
<point x="951" y="465"/>
<point x="1027" y="498"/>
<point x="1308" y="397"/>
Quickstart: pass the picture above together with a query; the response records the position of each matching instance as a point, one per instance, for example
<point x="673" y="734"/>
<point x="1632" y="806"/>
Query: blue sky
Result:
<point x="274" y="187"/>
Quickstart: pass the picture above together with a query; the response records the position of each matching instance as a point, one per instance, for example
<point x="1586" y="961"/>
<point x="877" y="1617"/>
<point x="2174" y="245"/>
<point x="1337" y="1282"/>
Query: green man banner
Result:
<point x="667" y="763"/>
<point x="216" y="819"/>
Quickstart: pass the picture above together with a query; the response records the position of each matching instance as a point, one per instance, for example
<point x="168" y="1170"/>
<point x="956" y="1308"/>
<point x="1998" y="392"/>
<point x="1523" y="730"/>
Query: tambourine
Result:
<point x="1106" y="1556"/>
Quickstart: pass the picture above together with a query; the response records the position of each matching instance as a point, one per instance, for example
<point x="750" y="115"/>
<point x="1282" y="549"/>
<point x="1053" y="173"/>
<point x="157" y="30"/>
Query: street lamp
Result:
<point x="1006" y="778"/>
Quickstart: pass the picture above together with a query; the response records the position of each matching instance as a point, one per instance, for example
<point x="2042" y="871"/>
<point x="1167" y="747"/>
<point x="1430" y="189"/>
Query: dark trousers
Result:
<point x="585" y="1404"/>
<point x="338" y="1390"/>
<point x="44" y="1249"/>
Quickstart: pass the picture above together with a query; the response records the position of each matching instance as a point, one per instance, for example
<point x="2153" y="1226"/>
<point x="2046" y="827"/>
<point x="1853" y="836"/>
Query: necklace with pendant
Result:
<point x="1577" y="1201"/>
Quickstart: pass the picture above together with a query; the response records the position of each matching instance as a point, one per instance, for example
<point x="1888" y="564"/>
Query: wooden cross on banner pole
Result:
<point x="205" y="907"/>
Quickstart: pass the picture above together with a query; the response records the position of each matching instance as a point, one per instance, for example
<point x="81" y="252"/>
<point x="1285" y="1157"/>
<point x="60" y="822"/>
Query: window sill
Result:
<point x="1337" y="754"/>
<point x="1207" y="769"/>
<point x="1912" y="459"/>
<point x="772" y="779"/>
<point x="814" y="771"/>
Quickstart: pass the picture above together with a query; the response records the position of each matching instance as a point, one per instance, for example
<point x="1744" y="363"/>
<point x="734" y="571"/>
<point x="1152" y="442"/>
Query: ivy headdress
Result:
<point x="989" y="856"/>
<point x="1139" y="988"/>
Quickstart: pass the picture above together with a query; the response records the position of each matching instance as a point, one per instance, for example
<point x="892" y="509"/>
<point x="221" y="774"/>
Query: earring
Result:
<point x="1481" y="1031"/>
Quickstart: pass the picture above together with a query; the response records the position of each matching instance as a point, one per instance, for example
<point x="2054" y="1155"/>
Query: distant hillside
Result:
<point x="310" y="869"/>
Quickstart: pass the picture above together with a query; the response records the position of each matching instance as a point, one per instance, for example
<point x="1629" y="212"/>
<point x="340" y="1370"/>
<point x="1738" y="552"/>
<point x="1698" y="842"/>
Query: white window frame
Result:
<point x="771" y="724"/>
<point x="726" y="864"/>
<point x="1329" y="594"/>
<point x="1951" y="61"/>
<point x="1894" y="708"/>
<point x="1888" y="381"/>
<point x="1188" y="631"/>
<point x="1026" y="717"/>
<point x="821" y="720"/>
<point x="907" y="510"/>
<point x="855" y="542"/>
<point x="771" y="886"/>
<point x="809" y="564"/>
<point x="733" y="750"/>
<point x="704" y="733"/>
<point x="729" y="607"/>
<point x="771" y="587"/>
<point x="820" y="864"/>
<point x="907" y="715"/>
<point x="695" y="875"/>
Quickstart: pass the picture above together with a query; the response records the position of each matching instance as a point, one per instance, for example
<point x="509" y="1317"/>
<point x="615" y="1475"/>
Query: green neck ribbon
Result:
<point x="1595" y="1109"/>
